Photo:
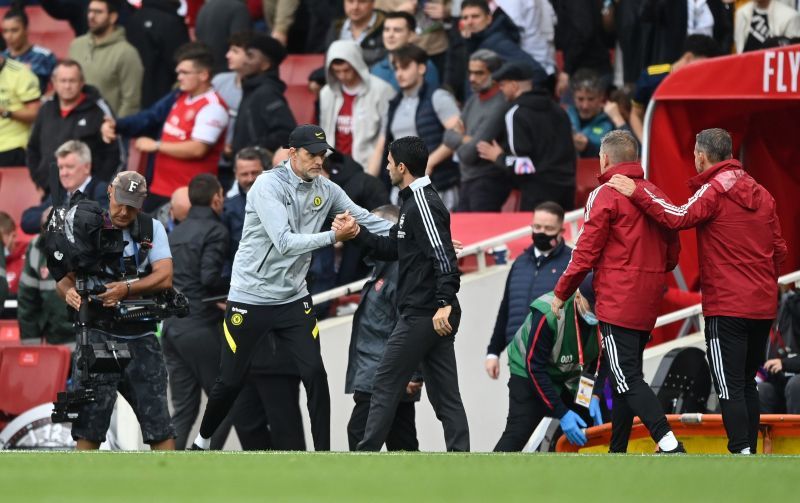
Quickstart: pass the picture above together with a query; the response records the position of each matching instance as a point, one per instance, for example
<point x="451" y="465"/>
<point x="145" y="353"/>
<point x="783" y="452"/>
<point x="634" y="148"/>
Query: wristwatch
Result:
<point x="442" y="303"/>
<point x="6" y="114"/>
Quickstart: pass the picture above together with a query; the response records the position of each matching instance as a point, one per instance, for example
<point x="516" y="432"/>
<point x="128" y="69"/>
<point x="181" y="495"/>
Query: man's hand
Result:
<point x="572" y="425"/>
<point x="489" y="151"/>
<point x="611" y="108"/>
<point x="109" y="129"/>
<point x="580" y="141"/>
<point x="441" y="322"/>
<point x="556" y="306"/>
<point x="459" y="127"/>
<point x="73" y="299"/>
<point x="413" y="386"/>
<point x="346" y="227"/>
<point x="622" y="184"/>
<point x="773" y="366"/>
<point x="145" y="144"/>
<point x="115" y="292"/>
<point x="562" y="84"/>
<point x="280" y="37"/>
<point x="492" y="365"/>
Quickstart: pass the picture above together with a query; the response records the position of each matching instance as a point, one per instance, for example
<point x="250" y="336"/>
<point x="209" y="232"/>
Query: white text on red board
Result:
<point x="781" y="70"/>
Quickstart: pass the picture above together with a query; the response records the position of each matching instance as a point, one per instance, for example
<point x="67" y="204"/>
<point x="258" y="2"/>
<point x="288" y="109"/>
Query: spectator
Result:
<point x="279" y="16"/>
<point x="484" y="186"/>
<point x="39" y="59"/>
<point x="41" y="313"/>
<point x="19" y="88"/>
<point x="264" y="118"/>
<point x="74" y="161"/>
<point x="175" y="211"/>
<point x="496" y="32"/>
<point x="71" y="11"/>
<point x="759" y="22"/>
<point x="109" y="62"/>
<point x="421" y="111"/>
<point x="672" y="21"/>
<point x="6" y="223"/>
<point x="13" y="252"/>
<point x="695" y="48"/>
<point x="536" y="21"/>
<point x="156" y="30"/>
<point x="229" y="86"/>
<point x="363" y="25"/>
<point x="431" y="19"/>
<point x="353" y="103"/>
<point x="780" y="393"/>
<point x="373" y="323"/>
<point x="581" y="37"/>
<point x="76" y="112"/>
<point x="249" y="163"/>
<point x="192" y="136"/>
<point x="399" y="30"/>
<point x="539" y="150"/>
<point x="217" y="21"/>
<point x="589" y="121"/>
<point x="192" y="345"/>
<point x="549" y="363"/>
<point x="532" y="275"/>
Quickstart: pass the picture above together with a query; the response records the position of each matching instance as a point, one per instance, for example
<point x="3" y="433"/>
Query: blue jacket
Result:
<point x="594" y="130"/>
<point x="233" y="218"/>
<point x="526" y="282"/>
<point x="149" y="121"/>
<point x="31" y="221"/>
<point x="384" y="70"/>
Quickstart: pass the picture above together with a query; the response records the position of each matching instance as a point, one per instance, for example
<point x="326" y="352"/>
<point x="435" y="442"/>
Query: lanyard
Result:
<point x="580" y="344"/>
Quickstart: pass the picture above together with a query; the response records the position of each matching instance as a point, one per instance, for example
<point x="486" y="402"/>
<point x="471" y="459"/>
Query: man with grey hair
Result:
<point x="484" y="185"/>
<point x="629" y="254"/>
<point x="741" y="251"/>
<point x="74" y="161"/>
<point x="589" y="121"/>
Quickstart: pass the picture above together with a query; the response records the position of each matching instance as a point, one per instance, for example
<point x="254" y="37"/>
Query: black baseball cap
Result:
<point x="310" y="137"/>
<point x="515" y="70"/>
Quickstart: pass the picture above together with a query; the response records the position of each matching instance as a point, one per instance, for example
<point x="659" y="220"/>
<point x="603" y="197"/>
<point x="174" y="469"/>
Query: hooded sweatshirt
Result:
<point x="113" y="66"/>
<point x="369" y="106"/>
<point x="264" y="118"/>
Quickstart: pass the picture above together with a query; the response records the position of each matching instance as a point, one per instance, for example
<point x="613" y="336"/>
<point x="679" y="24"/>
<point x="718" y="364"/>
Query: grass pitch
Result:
<point x="219" y="477"/>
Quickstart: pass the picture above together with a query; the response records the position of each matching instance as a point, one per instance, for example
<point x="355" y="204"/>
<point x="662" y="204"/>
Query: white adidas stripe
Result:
<point x="678" y="210"/>
<point x="613" y="359"/>
<point x="430" y="229"/>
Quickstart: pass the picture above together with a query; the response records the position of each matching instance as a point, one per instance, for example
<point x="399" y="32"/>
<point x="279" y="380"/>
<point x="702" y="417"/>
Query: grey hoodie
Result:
<point x="283" y="219"/>
<point x="369" y="107"/>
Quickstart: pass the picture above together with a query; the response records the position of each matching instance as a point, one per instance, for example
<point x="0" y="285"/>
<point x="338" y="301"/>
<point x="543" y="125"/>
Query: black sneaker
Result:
<point x="195" y="447"/>
<point x="678" y="450"/>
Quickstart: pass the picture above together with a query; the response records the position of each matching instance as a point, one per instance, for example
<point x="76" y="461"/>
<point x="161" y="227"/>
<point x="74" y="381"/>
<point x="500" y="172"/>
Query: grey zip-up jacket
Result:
<point x="283" y="219"/>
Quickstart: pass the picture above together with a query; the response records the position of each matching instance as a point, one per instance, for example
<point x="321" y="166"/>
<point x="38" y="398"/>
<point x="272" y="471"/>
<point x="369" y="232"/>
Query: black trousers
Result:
<point x="294" y="323"/>
<point x="487" y="193"/>
<point x="533" y="192"/>
<point x="780" y="395"/>
<point x="191" y="354"/>
<point x="412" y="342"/>
<point x="12" y="158"/>
<point x="267" y="413"/>
<point x="736" y="348"/>
<point x="623" y="349"/>
<point x="403" y="433"/>
<point x="525" y="411"/>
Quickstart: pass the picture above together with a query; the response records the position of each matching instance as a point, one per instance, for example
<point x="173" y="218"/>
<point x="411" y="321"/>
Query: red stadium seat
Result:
<point x="30" y="376"/>
<point x="294" y="71"/>
<point x="50" y="33"/>
<point x="512" y="203"/>
<point x="17" y="192"/>
<point x="586" y="179"/>
<point x="9" y="332"/>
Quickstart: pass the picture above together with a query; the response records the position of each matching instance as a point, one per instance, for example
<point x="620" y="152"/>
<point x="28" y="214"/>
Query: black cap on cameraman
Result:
<point x="310" y="137"/>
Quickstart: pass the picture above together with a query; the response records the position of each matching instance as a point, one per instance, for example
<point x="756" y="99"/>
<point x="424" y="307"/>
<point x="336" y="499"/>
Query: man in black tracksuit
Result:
<point x="75" y="112"/>
<point x="539" y="152"/>
<point x="426" y="298"/>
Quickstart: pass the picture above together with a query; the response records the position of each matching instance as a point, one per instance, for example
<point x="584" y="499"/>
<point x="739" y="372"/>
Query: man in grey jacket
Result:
<point x="286" y="209"/>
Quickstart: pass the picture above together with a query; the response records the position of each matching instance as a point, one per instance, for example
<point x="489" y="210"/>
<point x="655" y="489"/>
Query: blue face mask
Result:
<point x="590" y="318"/>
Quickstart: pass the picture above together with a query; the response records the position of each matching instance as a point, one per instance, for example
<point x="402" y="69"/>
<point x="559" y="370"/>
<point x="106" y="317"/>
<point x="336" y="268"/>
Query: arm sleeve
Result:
<point x="379" y="247"/>
<point x="489" y="130"/>
<point x="131" y="73"/>
<point x="791" y="364"/>
<point x="33" y="154"/>
<point x="700" y="207"/>
<point x="28" y="89"/>
<point x="276" y="121"/>
<point x="150" y="120"/>
<point x="212" y="261"/>
<point x="210" y="123"/>
<point x="432" y="232"/>
<point x="673" y="249"/>
<point x="498" y="341"/>
<point x="445" y="106"/>
<point x="31" y="220"/>
<point x="590" y="243"/>
<point x="160" y="249"/>
<point x="780" y="251"/>
<point x="341" y="202"/>
<point x="269" y="205"/>
<point x="540" y="344"/>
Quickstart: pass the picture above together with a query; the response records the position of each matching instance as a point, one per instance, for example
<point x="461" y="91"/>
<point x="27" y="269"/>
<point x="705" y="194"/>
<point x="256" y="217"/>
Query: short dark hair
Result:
<point x="196" y="52"/>
<point x="411" y="151"/>
<point x="69" y="63"/>
<point x="19" y="13"/>
<point x="112" y="5"/>
<point x="410" y="21"/>
<point x="716" y="143"/>
<point x="620" y="146"/>
<point x="259" y="154"/>
<point x="240" y="39"/>
<point x="481" y="4"/>
<point x="203" y="188"/>
<point x="586" y="79"/>
<point x="551" y="207"/>
<point x="701" y="45"/>
<point x="403" y="56"/>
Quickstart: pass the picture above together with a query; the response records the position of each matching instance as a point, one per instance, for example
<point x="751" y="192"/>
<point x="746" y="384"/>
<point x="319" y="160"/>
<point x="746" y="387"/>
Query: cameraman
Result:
<point x="147" y="269"/>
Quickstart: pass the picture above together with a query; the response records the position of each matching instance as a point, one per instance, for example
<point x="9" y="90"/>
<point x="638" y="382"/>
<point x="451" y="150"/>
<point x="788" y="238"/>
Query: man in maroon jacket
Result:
<point x="740" y="250"/>
<point x="630" y="255"/>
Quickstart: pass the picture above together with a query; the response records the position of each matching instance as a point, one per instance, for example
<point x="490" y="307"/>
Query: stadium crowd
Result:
<point x="505" y="94"/>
